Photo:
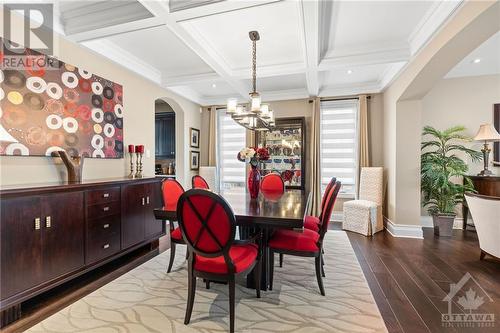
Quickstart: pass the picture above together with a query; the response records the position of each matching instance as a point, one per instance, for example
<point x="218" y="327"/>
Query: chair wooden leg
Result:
<point x="318" y="274"/>
<point x="271" y="269"/>
<point x="281" y="259"/>
<point x="187" y="253"/>
<point x="322" y="265"/>
<point x="231" y="304"/>
<point x="483" y="254"/>
<point x="207" y="284"/>
<point x="191" y="293"/>
<point x="257" y="271"/>
<point x="172" y="256"/>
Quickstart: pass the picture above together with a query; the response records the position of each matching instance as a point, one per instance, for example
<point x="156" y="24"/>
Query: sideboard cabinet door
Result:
<point x="63" y="226"/>
<point x="153" y="227"/>
<point x="133" y="202"/>
<point x="21" y="245"/>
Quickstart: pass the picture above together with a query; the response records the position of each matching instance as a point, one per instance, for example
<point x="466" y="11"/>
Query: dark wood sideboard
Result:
<point x="489" y="186"/>
<point x="51" y="233"/>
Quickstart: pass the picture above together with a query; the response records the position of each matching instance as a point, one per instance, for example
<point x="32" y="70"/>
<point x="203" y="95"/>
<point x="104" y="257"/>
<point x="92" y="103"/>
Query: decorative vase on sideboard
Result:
<point x="254" y="182"/>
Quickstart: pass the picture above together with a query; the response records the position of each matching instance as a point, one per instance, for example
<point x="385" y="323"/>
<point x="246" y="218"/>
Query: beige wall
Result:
<point x="139" y="95"/>
<point x="472" y="24"/>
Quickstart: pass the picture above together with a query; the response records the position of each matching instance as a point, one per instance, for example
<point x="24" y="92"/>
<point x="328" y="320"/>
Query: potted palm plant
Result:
<point x="440" y="165"/>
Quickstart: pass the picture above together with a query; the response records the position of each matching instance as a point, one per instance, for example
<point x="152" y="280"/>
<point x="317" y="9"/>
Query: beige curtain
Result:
<point x="364" y="148"/>
<point x="315" y="172"/>
<point x="212" y="137"/>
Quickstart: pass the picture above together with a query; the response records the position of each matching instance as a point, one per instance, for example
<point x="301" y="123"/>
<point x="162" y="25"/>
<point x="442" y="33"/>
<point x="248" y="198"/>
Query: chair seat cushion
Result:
<point x="243" y="256"/>
<point x="176" y="234"/>
<point x="304" y="241"/>
<point x="311" y="223"/>
<point x="362" y="204"/>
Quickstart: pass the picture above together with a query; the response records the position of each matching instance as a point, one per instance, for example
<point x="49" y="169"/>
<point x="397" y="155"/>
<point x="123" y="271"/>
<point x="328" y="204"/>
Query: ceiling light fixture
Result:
<point x="255" y="115"/>
<point x="214" y="85"/>
<point x="349" y="71"/>
<point x="477" y="60"/>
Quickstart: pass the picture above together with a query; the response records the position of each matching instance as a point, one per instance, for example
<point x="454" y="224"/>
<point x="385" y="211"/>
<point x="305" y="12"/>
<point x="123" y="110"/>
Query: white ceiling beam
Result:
<point x="184" y="80"/>
<point x="369" y="57"/>
<point x="351" y="89"/>
<point x="328" y="20"/>
<point x="116" y="29"/>
<point x="270" y="70"/>
<point x="309" y="22"/>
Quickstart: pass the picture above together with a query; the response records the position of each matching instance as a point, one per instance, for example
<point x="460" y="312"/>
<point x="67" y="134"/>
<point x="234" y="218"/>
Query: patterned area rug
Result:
<point x="147" y="299"/>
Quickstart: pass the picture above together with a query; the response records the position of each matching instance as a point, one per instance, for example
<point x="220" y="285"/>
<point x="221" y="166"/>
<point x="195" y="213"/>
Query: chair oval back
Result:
<point x="330" y="202"/>
<point x="485" y="211"/>
<point x="325" y="196"/>
<point x="371" y="184"/>
<point x="171" y="190"/>
<point x="199" y="182"/>
<point x="272" y="182"/>
<point x="207" y="222"/>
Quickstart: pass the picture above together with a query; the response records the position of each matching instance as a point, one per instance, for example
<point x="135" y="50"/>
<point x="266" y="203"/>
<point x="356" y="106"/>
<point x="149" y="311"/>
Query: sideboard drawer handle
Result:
<point x="106" y="226"/>
<point x="105" y="208"/>
<point x="48" y="221"/>
<point x="37" y="223"/>
<point x="105" y="195"/>
<point x="105" y="246"/>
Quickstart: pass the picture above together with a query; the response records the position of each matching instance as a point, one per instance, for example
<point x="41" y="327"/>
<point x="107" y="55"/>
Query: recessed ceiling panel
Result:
<point x="160" y="48"/>
<point x="283" y="82"/>
<point x="213" y="89"/>
<point x="227" y="34"/>
<point x="349" y="76"/>
<point x="485" y="60"/>
<point x="373" y="24"/>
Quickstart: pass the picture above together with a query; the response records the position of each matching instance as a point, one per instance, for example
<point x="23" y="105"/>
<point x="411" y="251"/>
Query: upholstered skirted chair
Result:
<point x="485" y="212"/>
<point x="364" y="216"/>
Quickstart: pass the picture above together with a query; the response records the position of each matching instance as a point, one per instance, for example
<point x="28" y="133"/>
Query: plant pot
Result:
<point x="443" y="224"/>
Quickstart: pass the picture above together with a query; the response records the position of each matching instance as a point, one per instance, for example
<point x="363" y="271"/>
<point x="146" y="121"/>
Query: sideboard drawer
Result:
<point x="104" y="209"/>
<point x="103" y="238"/>
<point x="109" y="194"/>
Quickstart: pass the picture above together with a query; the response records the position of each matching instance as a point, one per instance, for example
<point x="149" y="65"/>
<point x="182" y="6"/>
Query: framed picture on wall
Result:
<point x="496" y="145"/>
<point x="194" y="135"/>
<point x="194" y="160"/>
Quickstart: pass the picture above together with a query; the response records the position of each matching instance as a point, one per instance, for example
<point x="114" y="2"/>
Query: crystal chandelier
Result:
<point x="255" y="116"/>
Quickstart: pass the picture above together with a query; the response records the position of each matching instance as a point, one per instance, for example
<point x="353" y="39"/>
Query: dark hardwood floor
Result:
<point x="408" y="278"/>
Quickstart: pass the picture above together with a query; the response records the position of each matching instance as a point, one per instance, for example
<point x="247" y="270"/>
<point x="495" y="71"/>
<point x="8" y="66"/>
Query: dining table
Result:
<point x="268" y="212"/>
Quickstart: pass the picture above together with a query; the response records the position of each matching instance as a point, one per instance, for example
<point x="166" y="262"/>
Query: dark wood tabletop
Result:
<point x="285" y="210"/>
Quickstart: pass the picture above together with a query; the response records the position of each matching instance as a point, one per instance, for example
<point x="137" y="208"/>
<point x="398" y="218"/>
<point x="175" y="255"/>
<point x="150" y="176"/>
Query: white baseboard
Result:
<point x="403" y="230"/>
<point x="426" y="222"/>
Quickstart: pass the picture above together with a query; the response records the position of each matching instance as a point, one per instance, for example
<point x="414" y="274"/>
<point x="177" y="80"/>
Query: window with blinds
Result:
<point x="339" y="148"/>
<point x="231" y="138"/>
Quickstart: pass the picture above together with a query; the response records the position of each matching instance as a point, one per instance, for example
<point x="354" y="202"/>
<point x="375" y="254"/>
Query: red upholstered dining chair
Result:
<point x="313" y="222"/>
<point x="199" y="182"/>
<point x="172" y="191"/>
<point x="308" y="243"/>
<point x="208" y="227"/>
<point x="272" y="182"/>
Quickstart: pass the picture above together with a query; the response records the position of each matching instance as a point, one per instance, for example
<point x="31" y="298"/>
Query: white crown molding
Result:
<point x="125" y="59"/>
<point x="390" y="73"/>
<point x="352" y="89"/>
<point x="189" y="94"/>
<point x="365" y="57"/>
<point x="433" y="19"/>
<point x="403" y="230"/>
<point x="281" y="95"/>
<point x="183" y="80"/>
<point x="270" y="70"/>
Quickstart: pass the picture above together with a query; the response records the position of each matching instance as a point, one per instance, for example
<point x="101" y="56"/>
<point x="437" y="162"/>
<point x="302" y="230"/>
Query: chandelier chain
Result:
<point x="254" y="66"/>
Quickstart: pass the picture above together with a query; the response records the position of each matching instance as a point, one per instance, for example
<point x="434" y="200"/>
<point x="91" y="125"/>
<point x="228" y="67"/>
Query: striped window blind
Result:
<point x="339" y="148"/>
<point x="231" y="138"/>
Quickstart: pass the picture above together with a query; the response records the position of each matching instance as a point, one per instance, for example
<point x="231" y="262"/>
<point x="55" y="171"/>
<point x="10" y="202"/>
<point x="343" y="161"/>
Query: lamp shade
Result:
<point x="487" y="133"/>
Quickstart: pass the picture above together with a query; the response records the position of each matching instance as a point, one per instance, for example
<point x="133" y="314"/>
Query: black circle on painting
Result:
<point x="54" y="62"/>
<point x="33" y="101"/>
<point x="14" y="79"/>
<point x="97" y="101"/>
<point x="109" y="117"/>
<point x="119" y="123"/>
<point x="71" y="139"/>
<point x="118" y="146"/>
<point x="72" y="152"/>
<point x="108" y="93"/>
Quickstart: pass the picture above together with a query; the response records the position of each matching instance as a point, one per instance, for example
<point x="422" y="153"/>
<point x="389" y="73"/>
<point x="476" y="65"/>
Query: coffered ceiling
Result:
<point x="201" y="49"/>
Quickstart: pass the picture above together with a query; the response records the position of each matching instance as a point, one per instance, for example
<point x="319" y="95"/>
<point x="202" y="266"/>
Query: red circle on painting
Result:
<point x="33" y="65"/>
<point x="70" y="109"/>
<point x="85" y="126"/>
<point x="108" y="105"/>
<point x="84" y="112"/>
<point x="85" y="85"/>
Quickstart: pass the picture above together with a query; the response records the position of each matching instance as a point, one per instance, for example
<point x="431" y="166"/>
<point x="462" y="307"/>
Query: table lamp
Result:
<point x="487" y="133"/>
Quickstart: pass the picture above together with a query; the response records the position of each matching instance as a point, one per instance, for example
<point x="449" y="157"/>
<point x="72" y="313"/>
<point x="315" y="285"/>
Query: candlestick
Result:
<point x="138" y="174"/>
<point x="131" y="174"/>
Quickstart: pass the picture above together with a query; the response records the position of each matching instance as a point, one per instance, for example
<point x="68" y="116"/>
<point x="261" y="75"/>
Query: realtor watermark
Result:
<point x="465" y="300"/>
<point x="28" y="36"/>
